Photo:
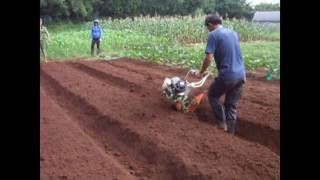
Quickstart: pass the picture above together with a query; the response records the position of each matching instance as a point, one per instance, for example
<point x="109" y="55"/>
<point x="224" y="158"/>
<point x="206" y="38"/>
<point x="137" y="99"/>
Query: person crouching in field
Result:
<point x="96" y="35"/>
<point x="44" y="37"/>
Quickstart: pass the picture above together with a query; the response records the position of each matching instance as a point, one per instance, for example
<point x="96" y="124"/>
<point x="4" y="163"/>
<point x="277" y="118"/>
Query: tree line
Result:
<point x="79" y="10"/>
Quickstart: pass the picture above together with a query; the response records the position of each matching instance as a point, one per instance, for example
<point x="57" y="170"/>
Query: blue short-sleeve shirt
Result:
<point x="224" y="44"/>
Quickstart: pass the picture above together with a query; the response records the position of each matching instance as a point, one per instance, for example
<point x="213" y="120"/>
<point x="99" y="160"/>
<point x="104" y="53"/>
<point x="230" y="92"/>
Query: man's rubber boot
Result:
<point x="231" y="127"/>
<point x="222" y="125"/>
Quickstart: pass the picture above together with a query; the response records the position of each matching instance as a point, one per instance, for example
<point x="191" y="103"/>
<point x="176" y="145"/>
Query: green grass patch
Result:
<point x="175" y="41"/>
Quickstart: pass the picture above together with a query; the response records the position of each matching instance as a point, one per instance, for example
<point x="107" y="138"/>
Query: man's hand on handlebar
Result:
<point x="196" y="73"/>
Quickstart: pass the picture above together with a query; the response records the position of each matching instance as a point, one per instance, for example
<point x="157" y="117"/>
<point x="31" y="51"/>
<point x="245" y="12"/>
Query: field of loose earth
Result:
<point x="108" y="120"/>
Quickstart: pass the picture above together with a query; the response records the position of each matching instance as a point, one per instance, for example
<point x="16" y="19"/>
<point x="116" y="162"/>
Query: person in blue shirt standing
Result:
<point x="96" y="36"/>
<point x="223" y="45"/>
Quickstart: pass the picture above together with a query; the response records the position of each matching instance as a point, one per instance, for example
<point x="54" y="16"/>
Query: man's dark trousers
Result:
<point x="95" y="41"/>
<point x="226" y="113"/>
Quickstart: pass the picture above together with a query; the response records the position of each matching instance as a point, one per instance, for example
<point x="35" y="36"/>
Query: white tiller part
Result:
<point x="199" y="83"/>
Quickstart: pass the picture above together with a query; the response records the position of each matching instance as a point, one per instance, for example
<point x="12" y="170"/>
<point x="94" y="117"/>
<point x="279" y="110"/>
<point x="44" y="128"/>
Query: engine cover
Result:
<point x="174" y="88"/>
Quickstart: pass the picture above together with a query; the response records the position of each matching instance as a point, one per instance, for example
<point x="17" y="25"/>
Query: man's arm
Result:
<point x="210" y="49"/>
<point x="206" y="62"/>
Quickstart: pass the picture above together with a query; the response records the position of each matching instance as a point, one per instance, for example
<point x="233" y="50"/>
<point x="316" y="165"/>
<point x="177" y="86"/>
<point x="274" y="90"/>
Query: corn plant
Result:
<point x="178" y="40"/>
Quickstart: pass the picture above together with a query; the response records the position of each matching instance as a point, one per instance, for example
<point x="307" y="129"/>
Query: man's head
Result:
<point x="212" y="22"/>
<point x="96" y="22"/>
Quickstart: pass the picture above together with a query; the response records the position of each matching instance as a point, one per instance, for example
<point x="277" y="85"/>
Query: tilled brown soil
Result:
<point x="109" y="120"/>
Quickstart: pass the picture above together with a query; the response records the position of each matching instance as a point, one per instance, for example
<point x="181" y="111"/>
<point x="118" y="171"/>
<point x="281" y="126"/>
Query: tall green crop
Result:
<point x="178" y="40"/>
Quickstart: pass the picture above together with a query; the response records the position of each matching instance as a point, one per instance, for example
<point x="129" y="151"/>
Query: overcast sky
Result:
<point x="254" y="2"/>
